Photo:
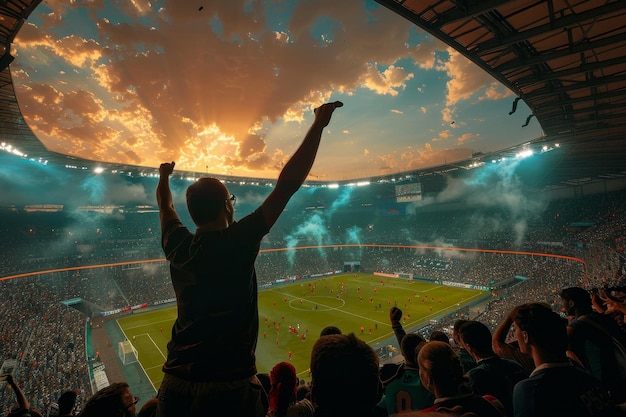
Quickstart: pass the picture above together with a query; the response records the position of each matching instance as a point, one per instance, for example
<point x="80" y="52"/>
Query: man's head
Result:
<point x="476" y="338"/>
<point x="208" y="199"/>
<point x="440" y="368"/>
<point x="66" y="402"/>
<point x="330" y="330"/>
<point x="344" y="376"/>
<point x="408" y="346"/>
<point x="112" y="401"/>
<point x="576" y="301"/>
<point x="537" y="325"/>
<point x="455" y="330"/>
<point x="438" y="335"/>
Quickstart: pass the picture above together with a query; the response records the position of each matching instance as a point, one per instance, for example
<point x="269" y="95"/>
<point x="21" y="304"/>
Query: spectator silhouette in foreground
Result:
<point x="467" y="362"/>
<point x="438" y="335"/>
<point x="555" y="387"/>
<point x="590" y="341"/>
<point x="510" y="350"/>
<point x="344" y="376"/>
<point x="442" y="374"/>
<point x="403" y="389"/>
<point x="492" y="375"/>
<point x="211" y="355"/>
<point x="330" y="330"/>
<point x="303" y="396"/>
<point x="23" y="408"/>
<point x="67" y="402"/>
<point x="115" y="400"/>
<point x="282" y="395"/>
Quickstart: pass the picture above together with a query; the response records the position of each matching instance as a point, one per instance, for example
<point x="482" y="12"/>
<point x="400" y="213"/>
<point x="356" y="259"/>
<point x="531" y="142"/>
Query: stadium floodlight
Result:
<point x="333" y="186"/>
<point x="362" y="183"/>
<point x="98" y="170"/>
<point x="524" y="154"/>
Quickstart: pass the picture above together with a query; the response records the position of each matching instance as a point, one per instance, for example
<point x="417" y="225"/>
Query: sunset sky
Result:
<point x="228" y="87"/>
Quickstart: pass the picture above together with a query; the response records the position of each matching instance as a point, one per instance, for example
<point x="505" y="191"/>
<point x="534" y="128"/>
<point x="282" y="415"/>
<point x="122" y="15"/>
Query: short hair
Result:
<point x="457" y="324"/>
<point x="408" y="344"/>
<point x="66" y="402"/>
<point x="330" y="330"/>
<point x="440" y="361"/>
<point x="477" y="335"/>
<point x="547" y="329"/>
<point x="205" y="199"/>
<point x="455" y="328"/>
<point x="108" y="402"/>
<point x="580" y="297"/>
<point x="344" y="375"/>
<point x="439" y="335"/>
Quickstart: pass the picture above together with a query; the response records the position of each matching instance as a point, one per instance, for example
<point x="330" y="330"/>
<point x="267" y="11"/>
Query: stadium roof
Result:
<point x="565" y="59"/>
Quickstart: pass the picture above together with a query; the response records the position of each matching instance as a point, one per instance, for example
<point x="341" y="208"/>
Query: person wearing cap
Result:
<point x="210" y="363"/>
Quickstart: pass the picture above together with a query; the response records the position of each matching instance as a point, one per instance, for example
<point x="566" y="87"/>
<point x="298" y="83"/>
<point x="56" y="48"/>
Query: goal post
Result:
<point x="127" y="352"/>
<point x="404" y="275"/>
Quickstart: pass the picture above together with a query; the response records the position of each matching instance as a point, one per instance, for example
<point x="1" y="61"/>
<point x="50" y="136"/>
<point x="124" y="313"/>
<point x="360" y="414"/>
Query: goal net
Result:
<point x="127" y="352"/>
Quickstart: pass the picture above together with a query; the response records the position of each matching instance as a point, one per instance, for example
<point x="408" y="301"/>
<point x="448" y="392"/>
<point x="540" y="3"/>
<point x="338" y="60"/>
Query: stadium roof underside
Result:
<point x="565" y="59"/>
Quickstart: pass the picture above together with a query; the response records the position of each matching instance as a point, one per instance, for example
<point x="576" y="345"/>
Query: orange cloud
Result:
<point x="387" y="81"/>
<point x="170" y="84"/>
<point x="466" y="137"/>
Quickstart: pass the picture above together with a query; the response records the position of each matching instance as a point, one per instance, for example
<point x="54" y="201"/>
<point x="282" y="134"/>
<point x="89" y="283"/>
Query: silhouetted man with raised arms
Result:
<point x="210" y="367"/>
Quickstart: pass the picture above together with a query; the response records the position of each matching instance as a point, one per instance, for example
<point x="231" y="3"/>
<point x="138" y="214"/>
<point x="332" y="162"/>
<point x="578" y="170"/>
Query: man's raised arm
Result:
<point x="167" y="212"/>
<point x="296" y="170"/>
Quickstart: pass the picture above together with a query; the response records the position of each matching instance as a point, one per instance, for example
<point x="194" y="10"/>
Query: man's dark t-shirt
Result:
<point x="214" y="337"/>
<point x="560" y="391"/>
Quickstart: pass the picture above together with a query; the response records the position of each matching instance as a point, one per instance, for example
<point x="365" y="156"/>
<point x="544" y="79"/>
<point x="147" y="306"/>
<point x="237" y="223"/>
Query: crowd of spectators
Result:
<point x="47" y="338"/>
<point x="44" y="339"/>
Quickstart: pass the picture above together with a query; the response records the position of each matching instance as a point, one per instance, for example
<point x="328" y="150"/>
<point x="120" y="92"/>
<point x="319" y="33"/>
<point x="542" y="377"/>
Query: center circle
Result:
<point x="325" y="303"/>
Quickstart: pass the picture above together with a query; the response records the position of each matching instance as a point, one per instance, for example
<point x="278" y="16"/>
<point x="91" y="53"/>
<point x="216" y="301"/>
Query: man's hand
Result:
<point x="395" y="314"/>
<point x="167" y="212"/>
<point x="166" y="169"/>
<point x="324" y="112"/>
<point x="613" y="306"/>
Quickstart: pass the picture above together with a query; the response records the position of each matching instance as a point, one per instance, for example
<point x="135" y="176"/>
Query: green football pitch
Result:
<point x="291" y="317"/>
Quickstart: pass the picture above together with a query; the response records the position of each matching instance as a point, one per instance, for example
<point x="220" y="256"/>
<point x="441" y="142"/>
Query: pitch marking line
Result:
<point x="141" y="365"/>
<point x="155" y="345"/>
<point x="369" y="319"/>
<point x="153" y="322"/>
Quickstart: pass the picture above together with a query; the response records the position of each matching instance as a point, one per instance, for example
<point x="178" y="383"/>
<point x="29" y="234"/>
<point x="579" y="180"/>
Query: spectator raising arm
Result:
<point x="296" y="170"/>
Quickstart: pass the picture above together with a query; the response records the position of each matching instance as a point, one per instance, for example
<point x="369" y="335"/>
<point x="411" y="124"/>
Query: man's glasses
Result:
<point x="135" y="401"/>
<point x="233" y="198"/>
